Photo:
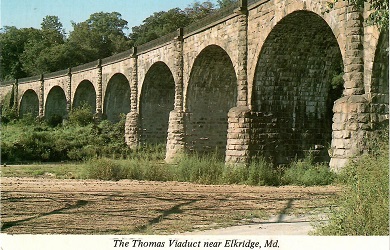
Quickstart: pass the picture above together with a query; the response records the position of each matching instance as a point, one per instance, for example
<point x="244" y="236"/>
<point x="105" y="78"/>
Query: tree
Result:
<point x="198" y="10"/>
<point x="13" y="42"/>
<point x="225" y="3"/>
<point x="100" y="36"/>
<point x="53" y="24"/>
<point x="164" y="22"/>
<point x="159" y="24"/>
<point x="50" y="36"/>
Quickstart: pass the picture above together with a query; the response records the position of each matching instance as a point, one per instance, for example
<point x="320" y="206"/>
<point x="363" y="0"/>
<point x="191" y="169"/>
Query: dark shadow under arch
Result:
<point x="85" y="94"/>
<point x="380" y="80"/>
<point x="117" y="98"/>
<point x="211" y="93"/>
<point x="55" y="103"/>
<point x="29" y="103"/>
<point x="293" y="94"/>
<point x="157" y="100"/>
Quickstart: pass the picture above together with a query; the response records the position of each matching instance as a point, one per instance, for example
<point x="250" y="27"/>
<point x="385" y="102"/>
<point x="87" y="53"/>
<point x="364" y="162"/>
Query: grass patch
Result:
<point x="363" y="208"/>
<point x="148" y="164"/>
<point x="305" y="172"/>
<point x="60" y="171"/>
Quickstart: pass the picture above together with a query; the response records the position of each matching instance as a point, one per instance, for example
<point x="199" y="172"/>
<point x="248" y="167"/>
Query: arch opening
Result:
<point x="211" y="93"/>
<point x="29" y="104"/>
<point x="157" y="100"/>
<point x="55" y="108"/>
<point x="298" y="77"/>
<point x="117" y="98"/>
<point x="380" y="80"/>
<point x="85" y="95"/>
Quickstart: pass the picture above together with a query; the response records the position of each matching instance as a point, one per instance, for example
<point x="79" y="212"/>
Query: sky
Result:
<point x="30" y="13"/>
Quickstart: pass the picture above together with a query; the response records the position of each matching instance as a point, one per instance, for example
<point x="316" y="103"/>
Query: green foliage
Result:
<point x="379" y="15"/>
<point x="103" y="169"/>
<point x="307" y="173"/>
<point x="81" y="116"/>
<point x="258" y="173"/>
<point x="262" y="173"/>
<point x="36" y="57"/>
<point x="225" y="3"/>
<point x="164" y="22"/>
<point x="13" y="43"/>
<point x="159" y="24"/>
<point x="53" y="24"/>
<point x="31" y="140"/>
<point x="363" y="208"/>
<point x="198" y="10"/>
<point x="205" y="169"/>
<point x="100" y="36"/>
<point x="8" y="113"/>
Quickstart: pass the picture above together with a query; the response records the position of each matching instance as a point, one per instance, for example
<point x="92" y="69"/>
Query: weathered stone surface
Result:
<point x="132" y="130"/>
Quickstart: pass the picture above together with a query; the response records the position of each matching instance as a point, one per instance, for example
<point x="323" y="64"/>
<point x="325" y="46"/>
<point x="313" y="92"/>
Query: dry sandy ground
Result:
<point x="54" y="206"/>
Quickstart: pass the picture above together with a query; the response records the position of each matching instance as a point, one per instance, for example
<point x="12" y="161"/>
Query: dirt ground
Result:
<point x="67" y="206"/>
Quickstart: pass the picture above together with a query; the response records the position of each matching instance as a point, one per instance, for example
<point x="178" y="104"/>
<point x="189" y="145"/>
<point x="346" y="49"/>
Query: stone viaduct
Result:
<point x="254" y="79"/>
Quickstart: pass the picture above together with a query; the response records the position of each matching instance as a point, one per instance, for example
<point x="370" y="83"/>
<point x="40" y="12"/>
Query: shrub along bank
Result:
<point x="80" y="138"/>
<point x="363" y="207"/>
<point x="101" y="146"/>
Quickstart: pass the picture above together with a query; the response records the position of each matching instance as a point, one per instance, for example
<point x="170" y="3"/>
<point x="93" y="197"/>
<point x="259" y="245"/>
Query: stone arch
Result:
<point x="156" y="101"/>
<point x="211" y="93"/>
<point x="55" y="103"/>
<point x="29" y="103"/>
<point x="85" y="94"/>
<point x="292" y="93"/>
<point x="335" y="19"/>
<point x="380" y="79"/>
<point x="117" y="97"/>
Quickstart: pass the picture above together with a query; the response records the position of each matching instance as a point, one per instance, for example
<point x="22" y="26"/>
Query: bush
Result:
<point x="54" y="120"/>
<point x="363" y="208"/>
<point x="205" y="169"/>
<point x="306" y="172"/>
<point x="103" y="169"/>
<point x="263" y="173"/>
<point x="40" y="142"/>
<point x="81" y="116"/>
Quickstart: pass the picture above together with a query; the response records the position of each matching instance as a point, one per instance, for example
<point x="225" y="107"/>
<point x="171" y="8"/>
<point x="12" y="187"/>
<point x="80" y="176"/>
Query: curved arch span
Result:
<point x="117" y="98"/>
<point x="211" y="93"/>
<point x="156" y="101"/>
<point x="298" y="77"/>
<point x="55" y="107"/>
<point x="85" y="95"/>
<point x="29" y="103"/>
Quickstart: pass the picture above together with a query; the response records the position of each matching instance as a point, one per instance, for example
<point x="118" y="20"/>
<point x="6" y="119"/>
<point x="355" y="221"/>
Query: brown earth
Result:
<point x="67" y="206"/>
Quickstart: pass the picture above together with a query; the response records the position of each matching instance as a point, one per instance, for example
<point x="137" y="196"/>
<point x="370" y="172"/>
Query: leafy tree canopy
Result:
<point x="164" y="22"/>
<point x="13" y="42"/>
<point x="100" y="36"/>
<point x="225" y="3"/>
